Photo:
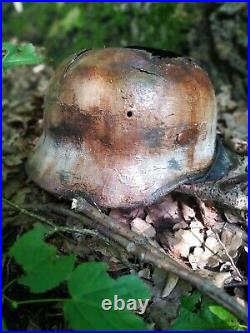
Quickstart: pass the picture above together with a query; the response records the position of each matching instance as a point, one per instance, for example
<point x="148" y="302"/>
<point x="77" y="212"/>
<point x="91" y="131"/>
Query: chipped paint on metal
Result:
<point x="124" y="126"/>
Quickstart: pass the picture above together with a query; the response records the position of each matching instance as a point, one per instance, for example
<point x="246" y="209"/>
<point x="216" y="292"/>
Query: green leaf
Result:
<point x="200" y="313"/>
<point x="44" y="270"/>
<point x="17" y="55"/>
<point x="4" y="326"/>
<point x="190" y="302"/>
<point x="189" y="321"/>
<point x="225" y="316"/>
<point x="89" y="285"/>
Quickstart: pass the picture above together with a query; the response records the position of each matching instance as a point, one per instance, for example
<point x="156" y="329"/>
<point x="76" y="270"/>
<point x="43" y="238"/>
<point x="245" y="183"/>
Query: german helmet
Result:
<point x="125" y="126"/>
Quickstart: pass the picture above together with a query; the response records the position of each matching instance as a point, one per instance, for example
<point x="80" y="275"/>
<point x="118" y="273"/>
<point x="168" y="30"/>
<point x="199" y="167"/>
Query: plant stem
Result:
<point x="33" y="301"/>
<point x="9" y="284"/>
<point x="42" y="300"/>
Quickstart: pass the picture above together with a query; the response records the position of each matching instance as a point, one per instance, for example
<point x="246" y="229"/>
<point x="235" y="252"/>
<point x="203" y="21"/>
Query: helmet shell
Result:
<point x="123" y="127"/>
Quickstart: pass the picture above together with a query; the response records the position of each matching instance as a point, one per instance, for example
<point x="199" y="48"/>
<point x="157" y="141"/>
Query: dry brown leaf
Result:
<point x="210" y="215"/>
<point x="206" y="255"/>
<point x="143" y="228"/>
<point x="145" y="273"/>
<point x="149" y="219"/>
<point x="188" y="212"/>
<point x="198" y="259"/>
<point x="232" y="241"/>
<point x="218" y="278"/>
<point x="168" y="209"/>
<point x="197" y="229"/>
<point x="233" y="217"/>
<point x="171" y="283"/>
<point x="182" y="241"/>
<point x="136" y="212"/>
<point x="180" y="225"/>
<point x="238" y="145"/>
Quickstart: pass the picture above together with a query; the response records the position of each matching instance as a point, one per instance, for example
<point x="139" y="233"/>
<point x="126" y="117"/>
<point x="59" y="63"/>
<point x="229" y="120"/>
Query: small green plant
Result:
<point x="198" y="312"/>
<point x="88" y="285"/>
<point x="17" y="55"/>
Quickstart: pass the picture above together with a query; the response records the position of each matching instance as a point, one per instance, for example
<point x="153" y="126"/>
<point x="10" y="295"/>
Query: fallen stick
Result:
<point x="147" y="251"/>
<point x="226" y="193"/>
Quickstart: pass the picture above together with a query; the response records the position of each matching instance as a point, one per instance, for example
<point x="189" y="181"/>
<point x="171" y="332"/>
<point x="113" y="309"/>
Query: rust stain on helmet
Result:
<point x="124" y="126"/>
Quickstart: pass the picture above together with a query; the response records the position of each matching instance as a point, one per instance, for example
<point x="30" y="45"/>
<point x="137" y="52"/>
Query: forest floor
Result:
<point x="209" y="238"/>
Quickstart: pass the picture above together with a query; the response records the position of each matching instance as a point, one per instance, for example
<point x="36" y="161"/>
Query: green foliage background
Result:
<point x="64" y="28"/>
<point x="214" y="33"/>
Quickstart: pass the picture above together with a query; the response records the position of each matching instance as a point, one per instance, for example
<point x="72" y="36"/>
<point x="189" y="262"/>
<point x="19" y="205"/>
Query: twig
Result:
<point x="148" y="252"/>
<point x="28" y="213"/>
<point x="225" y="192"/>
<point x="236" y="284"/>
<point x="55" y="228"/>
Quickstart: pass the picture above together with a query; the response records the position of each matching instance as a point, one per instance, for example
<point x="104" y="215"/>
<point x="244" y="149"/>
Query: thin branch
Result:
<point x="226" y="193"/>
<point x="55" y="228"/>
<point x="28" y="213"/>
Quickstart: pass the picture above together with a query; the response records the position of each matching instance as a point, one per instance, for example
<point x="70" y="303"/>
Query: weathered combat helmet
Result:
<point x="125" y="126"/>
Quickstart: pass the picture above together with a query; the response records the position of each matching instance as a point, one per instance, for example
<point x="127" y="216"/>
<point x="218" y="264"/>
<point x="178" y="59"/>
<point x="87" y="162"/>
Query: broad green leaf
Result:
<point x="89" y="285"/>
<point x="225" y="316"/>
<point x="17" y="55"/>
<point x="202" y="314"/>
<point x="189" y="321"/>
<point x="43" y="269"/>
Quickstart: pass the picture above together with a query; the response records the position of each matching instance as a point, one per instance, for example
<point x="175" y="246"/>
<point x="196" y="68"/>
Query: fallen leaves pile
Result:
<point x="200" y="236"/>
